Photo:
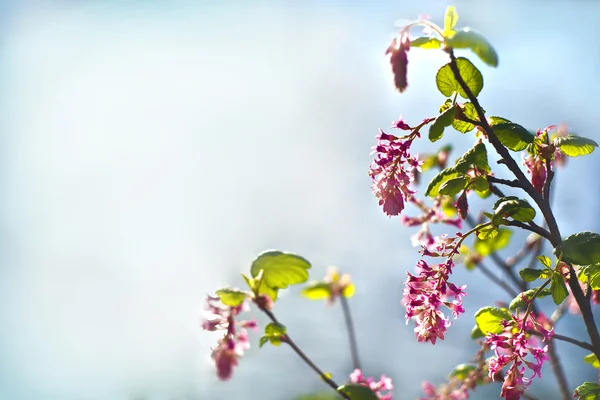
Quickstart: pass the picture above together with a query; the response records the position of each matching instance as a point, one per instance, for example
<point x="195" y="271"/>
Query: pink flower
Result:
<point x="392" y="172"/>
<point x="426" y="293"/>
<point x="514" y="346"/>
<point x="233" y="343"/>
<point x="382" y="388"/>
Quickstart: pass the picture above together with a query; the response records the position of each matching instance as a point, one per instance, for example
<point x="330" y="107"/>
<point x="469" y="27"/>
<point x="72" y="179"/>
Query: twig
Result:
<point x="568" y="339"/>
<point x="514" y="183"/>
<point x="559" y="372"/>
<point x="532" y="227"/>
<point x="507" y="288"/>
<point x="351" y="332"/>
<point x="287" y="339"/>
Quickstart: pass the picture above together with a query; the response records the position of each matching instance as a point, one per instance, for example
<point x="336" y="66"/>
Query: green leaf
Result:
<point x="489" y="246"/>
<point x="522" y="298"/>
<point x="479" y="184"/>
<point x="279" y="270"/>
<point x="317" y="291"/>
<point x="495" y="120"/>
<point x="447" y="83"/>
<point x="469" y="111"/>
<point x="517" y="209"/>
<point x="468" y="39"/>
<point x="594" y="277"/>
<point x="453" y="186"/>
<point x="530" y="274"/>
<point x="249" y="281"/>
<point x="461" y="371"/>
<point x="442" y="177"/>
<point x="450" y="20"/>
<point x="545" y="261"/>
<point x="476" y="333"/>
<point x="231" y="297"/>
<point x="357" y="392"/>
<point x="558" y="288"/>
<point x="474" y="157"/>
<point x="275" y="329"/>
<point x="582" y="248"/>
<point x="273" y="334"/>
<point x="513" y="136"/>
<point x="487" y="232"/>
<point x="488" y="319"/>
<point x="575" y="146"/>
<point x="587" y="391"/>
<point x="592" y="359"/>
<point x="436" y="130"/>
<point x="426" y="43"/>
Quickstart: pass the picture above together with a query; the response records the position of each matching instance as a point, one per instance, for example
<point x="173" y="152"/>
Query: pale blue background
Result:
<point x="150" y="149"/>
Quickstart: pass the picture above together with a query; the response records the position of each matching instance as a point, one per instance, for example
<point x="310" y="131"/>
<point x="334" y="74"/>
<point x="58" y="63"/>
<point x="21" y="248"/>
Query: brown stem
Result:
<point x="506" y="182"/>
<point x="542" y="203"/>
<point x="287" y="339"/>
<point x="532" y="227"/>
<point x="351" y="332"/>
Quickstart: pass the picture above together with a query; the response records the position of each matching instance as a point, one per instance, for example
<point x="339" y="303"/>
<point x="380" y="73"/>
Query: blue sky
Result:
<point x="151" y="149"/>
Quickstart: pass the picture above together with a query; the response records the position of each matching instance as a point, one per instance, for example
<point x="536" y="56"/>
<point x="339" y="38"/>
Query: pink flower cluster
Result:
<point x="512" y="347"/>
<point x="382" y="388"/>
<point x="234" y="341"/>
<point x="426" y="293"/>
<point x="392" y="169"/>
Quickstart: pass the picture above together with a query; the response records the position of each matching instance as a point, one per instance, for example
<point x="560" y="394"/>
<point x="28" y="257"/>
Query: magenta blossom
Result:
<point x="392" y="171"/>
<point x="382" y="388"/>
<point x="425" y="294"/>
<point x="515" y="347"/>
<point x="234" y="341"/>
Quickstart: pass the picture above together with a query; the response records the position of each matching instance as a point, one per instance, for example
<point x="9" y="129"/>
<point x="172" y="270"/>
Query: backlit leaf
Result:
<point x="488" y="319"/>
<point x="447" y="83"/>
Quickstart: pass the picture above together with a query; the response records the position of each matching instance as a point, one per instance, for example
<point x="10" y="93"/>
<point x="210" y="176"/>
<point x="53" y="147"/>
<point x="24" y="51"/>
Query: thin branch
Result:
<point x="514" y="183"/>
<point x="532" y="227"/>
<point x="559" y="372"/>
<point x="287" y="339"/>
<point x="496" y="258"/>
<point x="568" y="339"/>
<point x="494" y="189"/>
<point x="507" y="288"/>
<point x="351" y="332"/>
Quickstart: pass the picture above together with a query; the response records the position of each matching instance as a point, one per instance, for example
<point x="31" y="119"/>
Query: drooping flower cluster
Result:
<point x="515" y="347"/>
<point x="398" y="50"/>
<point x="234" y="341"/>
<point x="392" y="169"/>
<point x="426" y="293"/>
<point x="382" y="388"/>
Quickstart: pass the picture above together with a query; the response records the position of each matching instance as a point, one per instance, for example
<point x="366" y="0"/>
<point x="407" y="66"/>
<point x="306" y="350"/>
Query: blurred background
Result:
<point x="150" y="149"/>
